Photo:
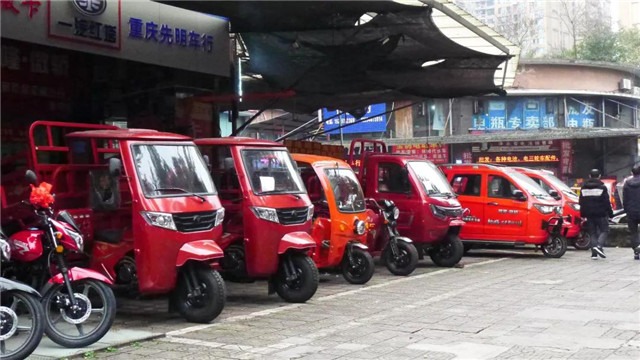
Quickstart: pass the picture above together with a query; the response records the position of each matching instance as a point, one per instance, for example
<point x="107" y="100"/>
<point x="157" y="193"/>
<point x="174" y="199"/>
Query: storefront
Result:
<point x="133" y="63"/>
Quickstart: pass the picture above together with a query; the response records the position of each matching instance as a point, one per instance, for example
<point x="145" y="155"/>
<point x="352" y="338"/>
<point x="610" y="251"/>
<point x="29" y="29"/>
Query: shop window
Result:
<point x="500" y="187"/>
<point x="468" y="185"/>
<point x="393" y="178"/>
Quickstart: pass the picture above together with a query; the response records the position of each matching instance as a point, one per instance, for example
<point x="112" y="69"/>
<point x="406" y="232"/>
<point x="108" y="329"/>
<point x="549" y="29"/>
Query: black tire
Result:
<point x="304" y="287"/>
<point x="449" y="252"/>
<point x="467" y="248"/>
<point x="407" y="262"/>
<point x="33" y="307"/>
<point x="556" y="247"/>
<point x="583" y="241"/>
<point x="51" y="311"/>
<point x="363" y="271"/>
<point x="210" y="305"/>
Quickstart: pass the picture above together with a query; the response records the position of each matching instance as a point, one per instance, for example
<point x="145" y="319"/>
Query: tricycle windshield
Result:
<point x="432" y="179"/>
<point x="346" y="190"/>
<point x="564" y="188"/>
<point x="172" y="170"/>
<point x="529" y="185"/>
<point x="271" y="172"/>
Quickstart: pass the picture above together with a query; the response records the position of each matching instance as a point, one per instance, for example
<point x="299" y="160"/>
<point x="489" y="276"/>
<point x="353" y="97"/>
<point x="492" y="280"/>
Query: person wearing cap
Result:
<point x="631" y="203"/>
<point x="596" y="207"/>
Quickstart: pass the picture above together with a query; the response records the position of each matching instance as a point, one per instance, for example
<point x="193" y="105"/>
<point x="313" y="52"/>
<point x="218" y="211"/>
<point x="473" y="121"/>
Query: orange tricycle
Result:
<point x="340" y="224"/>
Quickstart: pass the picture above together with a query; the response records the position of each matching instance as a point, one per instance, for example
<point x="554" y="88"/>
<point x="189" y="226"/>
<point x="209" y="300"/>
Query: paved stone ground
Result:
<point x="501" y="305"/>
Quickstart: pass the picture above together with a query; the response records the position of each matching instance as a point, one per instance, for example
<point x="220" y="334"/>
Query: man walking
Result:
<point x="631" y="202"/>
<point x="596" y="207"/>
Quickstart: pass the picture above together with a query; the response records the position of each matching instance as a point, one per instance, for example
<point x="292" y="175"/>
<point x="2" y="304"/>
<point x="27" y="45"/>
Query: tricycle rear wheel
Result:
<point x="206" y="305"/>
<point x="302" y="284"/>
<point x="556" y="247"/>
<point x="406" y="261"/>
<point x="362" y="268"/>
<point x="449" y="252"/>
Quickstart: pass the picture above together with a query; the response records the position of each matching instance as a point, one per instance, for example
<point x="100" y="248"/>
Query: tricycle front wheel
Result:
<point x="583" y="241"/>
<point x="297" y="278"/>
<point x="449" y="252"/>
<point x="556" y="247"/>
<point x="359" y="268"/>
<point x="200" y="294"/>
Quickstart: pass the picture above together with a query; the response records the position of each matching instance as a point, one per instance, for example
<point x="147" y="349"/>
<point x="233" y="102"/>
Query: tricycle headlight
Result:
<point x="219" y="217"/>
<point x="310" y="213"/>
<point x="438" y="212"/>
<point x="575" y="206"/>
<point x="360" y="227"/>
<point x="159" y="219"/>
<point x="268" y="214"/>
<point x="6" y="249"/>
<point x="545" y="209"/>
<point x="78" y="239"/>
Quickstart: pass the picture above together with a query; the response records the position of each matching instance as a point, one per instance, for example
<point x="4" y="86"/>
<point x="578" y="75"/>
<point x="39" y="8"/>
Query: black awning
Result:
<point x="316" y="49"/>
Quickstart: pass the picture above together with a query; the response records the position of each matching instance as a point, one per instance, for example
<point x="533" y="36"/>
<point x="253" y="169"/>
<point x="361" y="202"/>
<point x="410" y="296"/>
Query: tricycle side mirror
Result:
<point x="31" y="177"/>
<point x="554" y="194"/>
<point x="115" y="167"/>
<point x="519" y="195"/>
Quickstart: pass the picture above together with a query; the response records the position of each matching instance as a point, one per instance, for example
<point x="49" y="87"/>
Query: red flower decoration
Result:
<point x="41" y="195"/>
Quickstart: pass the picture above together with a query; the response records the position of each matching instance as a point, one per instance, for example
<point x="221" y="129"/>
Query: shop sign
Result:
<point x="515" y="114"/>
<point x="566" y="158"/>
<point x="436" y="153"/>
<point x="139" y="30"/>
<point x="509" y="159"/>
<point x="90" y="22"/>
<point x="580" y="115"/>
<point x="518" y="146"/>
<point x="467" y="157"/>
<point x="377" y="123"/>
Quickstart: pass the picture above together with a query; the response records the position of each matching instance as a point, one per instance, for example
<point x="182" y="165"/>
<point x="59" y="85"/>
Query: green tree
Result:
<point x="604" y="45"/>
<point x="629" y="46"/>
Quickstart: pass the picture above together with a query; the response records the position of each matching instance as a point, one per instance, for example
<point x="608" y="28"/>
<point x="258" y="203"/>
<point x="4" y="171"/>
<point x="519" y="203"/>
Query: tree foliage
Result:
<point x="605" y="45"/>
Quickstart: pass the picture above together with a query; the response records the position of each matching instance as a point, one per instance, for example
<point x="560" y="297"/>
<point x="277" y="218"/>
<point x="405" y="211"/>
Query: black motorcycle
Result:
<point x="21" y="315"/>
<point x="398" y="253"/>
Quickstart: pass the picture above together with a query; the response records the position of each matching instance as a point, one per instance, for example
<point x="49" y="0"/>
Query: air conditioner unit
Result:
<point x="636" y="90"/>
<point x="625" y="84"/>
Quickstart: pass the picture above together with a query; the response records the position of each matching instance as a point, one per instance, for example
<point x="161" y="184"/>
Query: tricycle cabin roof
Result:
<point x="237" y="141"/>
<point x="128" y="134"/>
<point x="321" y="161"/>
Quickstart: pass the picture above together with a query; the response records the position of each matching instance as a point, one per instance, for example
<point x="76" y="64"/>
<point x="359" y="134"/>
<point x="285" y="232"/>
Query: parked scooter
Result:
<point x="79" y="306"/>
<point x="340" y="216"/>
<point x="21" y="314"/>
<point x="398" y="253"/>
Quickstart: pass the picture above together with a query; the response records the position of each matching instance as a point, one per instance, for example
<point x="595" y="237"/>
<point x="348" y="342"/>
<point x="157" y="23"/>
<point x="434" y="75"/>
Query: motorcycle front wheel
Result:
<point x="361" y="270"/>
<point x="22" y="325"/>
<point x="87" y="322"/>
<point x="303" y="281"/>
<point x="405" y="262"/>
<point x="583" y="241"/>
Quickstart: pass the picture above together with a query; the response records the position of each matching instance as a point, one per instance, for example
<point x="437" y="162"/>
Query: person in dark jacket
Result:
<point x="631" y="203"/>
<point x="596" y="207"/>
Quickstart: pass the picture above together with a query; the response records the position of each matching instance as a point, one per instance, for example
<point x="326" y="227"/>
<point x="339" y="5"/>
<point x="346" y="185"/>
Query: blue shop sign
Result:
<point x="377" y="123"/>
<point x="519" y="114"/>
<point x="581" y="115"/>
<point x="168" y="35"/>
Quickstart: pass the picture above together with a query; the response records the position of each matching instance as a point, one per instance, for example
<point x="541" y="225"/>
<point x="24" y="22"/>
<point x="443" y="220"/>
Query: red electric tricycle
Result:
<point x="268" y="215"/>
<point x="429" y="212"/>
<point x="146" y="205"/>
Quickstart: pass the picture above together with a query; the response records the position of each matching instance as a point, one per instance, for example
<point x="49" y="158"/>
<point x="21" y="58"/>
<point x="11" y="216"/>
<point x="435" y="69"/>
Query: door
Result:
<point x="393" y="183"/>
<point x="468" y="188"/>
<point x="506" y="217"/>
